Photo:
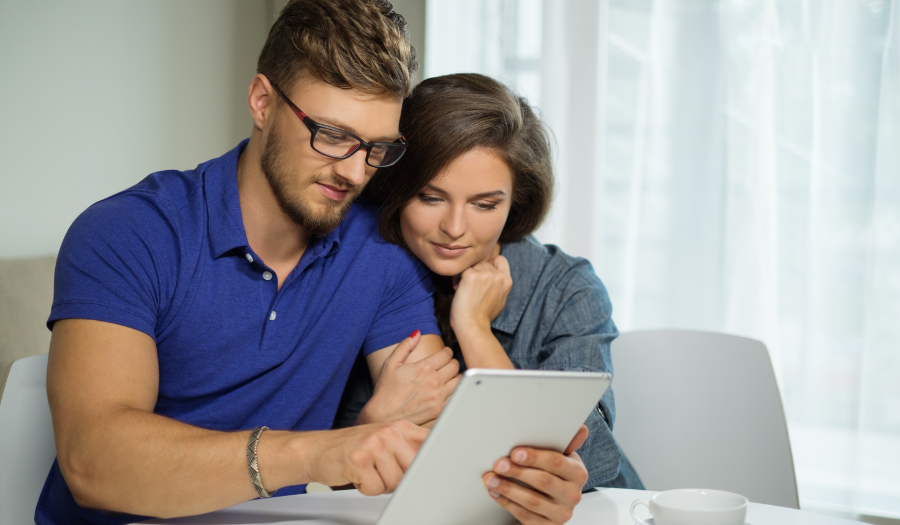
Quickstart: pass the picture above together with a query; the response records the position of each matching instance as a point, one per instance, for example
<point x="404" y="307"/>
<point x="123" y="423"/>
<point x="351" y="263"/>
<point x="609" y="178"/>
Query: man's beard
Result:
<point x="298" y="209"/>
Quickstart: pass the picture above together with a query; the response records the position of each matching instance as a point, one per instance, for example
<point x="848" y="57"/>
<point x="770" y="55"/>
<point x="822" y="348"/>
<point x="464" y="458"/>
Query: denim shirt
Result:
<point x="558" y="316"/>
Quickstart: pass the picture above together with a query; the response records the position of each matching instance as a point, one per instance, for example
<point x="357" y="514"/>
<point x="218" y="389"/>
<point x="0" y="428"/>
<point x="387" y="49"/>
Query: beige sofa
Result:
<point x="26" y="294"/>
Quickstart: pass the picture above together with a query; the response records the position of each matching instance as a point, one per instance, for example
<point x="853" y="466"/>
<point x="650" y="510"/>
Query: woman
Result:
<point x="475" y="183"/>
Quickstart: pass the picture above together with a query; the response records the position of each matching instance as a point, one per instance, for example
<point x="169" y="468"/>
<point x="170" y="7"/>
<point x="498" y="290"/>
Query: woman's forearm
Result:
<point x="481" y="349"/>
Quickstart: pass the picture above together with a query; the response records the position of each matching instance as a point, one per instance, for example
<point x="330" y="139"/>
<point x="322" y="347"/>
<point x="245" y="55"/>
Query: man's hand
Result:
<point x="415" y="391"/>
<point x="557" y="480"/>
<point x="371" y="457"/>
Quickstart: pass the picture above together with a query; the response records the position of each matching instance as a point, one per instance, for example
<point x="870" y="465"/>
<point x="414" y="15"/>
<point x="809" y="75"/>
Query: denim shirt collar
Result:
<point x="520" y="255"/>
<point x="225" y="222"/>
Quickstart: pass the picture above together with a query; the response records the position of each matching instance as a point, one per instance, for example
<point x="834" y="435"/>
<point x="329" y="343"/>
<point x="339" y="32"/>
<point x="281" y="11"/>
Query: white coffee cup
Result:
<point x="694" y="507"/>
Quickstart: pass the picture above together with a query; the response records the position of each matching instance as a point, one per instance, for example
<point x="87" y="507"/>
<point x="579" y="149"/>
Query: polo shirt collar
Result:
<point x="226" y="224"/>
<point x="329" y="244"/>
<point x="521" y="257"/>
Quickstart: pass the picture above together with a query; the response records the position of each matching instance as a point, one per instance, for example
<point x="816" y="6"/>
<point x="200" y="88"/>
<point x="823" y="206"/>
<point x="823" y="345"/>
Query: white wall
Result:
<point x="414" y="13"/>
<point x="95" y="95"/>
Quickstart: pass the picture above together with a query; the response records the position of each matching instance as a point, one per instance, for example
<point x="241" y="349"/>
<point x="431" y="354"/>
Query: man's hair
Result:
<point x="450" y="115"/>
<point x="351" y="44"/>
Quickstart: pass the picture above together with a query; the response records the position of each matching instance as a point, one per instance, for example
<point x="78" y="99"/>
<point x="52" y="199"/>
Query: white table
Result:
<point x="349" y="507"/>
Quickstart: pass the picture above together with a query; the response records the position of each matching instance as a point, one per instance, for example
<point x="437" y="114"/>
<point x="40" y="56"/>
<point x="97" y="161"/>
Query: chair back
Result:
<point x="702" y="410"/>
<point x="27" y="447"/>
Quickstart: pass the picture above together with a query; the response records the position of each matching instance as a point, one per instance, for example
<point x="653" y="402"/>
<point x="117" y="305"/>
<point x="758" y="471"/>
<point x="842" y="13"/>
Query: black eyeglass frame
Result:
<point x="314" y="128"/>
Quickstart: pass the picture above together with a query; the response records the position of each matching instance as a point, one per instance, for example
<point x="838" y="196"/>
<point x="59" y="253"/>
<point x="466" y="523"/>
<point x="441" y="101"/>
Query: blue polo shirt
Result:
<point x="169" y="257"/>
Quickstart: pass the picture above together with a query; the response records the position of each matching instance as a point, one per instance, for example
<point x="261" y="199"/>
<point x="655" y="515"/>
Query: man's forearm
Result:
<point x="142" y="463"/>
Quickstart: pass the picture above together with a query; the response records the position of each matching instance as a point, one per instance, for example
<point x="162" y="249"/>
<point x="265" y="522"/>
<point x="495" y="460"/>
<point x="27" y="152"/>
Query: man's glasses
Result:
<point x="339" y="144"/>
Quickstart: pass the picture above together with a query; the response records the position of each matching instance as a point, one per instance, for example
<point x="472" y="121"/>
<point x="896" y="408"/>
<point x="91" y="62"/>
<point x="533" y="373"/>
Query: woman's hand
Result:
<point x="557" y="480"/>
<point x="480" y="295"/>
<point x="415" y="391"/>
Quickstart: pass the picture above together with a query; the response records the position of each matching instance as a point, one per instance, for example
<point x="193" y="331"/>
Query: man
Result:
<point x="196" y="308"/>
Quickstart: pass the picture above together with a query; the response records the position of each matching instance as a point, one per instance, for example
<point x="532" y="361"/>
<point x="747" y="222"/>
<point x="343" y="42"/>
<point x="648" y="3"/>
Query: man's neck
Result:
<point x="277" y="239"/>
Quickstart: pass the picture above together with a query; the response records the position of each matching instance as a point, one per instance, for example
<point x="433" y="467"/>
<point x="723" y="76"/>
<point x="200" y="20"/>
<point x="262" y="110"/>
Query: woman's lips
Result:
<point x="449" y="250"/>
<point x="335" y="194"/>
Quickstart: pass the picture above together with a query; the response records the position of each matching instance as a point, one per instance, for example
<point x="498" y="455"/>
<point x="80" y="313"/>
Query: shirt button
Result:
<point x="249" y="258"/>
<point x="267" y="276"/>
<point x="272" y="316"/>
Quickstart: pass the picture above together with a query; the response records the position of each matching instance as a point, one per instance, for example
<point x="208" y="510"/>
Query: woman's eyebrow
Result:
<point x="495" y="193"/>
<point x="432" y="187"/>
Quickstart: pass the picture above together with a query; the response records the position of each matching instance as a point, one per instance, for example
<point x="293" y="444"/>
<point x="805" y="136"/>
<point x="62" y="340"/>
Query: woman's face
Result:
<point x="456" y="219"/>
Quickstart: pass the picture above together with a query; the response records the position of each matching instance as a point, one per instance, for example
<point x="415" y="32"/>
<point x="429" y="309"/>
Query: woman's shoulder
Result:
<point x="544" y="265"/>
<point x="547" y="283"/>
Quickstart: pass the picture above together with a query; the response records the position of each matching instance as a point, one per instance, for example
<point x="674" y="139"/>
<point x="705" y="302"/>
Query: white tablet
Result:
<point x="490" y="413"/>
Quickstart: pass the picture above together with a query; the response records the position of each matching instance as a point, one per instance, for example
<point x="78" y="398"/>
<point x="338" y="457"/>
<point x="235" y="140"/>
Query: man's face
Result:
<point x="314" y="190"/>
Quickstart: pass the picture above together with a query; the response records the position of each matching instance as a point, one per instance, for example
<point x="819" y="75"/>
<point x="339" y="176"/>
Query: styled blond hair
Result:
<point x="351" y="44"/>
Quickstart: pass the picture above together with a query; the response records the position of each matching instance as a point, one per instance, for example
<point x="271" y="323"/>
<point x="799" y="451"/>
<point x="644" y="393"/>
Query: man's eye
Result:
<point x="335" y="138"/>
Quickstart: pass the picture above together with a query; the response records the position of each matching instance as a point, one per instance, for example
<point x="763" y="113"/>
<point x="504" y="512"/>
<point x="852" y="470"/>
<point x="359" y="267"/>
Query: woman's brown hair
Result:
<point x="447" y="116"/>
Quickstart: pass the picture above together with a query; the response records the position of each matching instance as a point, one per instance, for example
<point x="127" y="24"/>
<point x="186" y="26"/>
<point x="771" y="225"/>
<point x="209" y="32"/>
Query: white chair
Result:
<point x="27" y="447"/>
<point x="702" y="410"/>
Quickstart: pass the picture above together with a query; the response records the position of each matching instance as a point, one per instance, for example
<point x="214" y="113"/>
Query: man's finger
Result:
<point x="579" y="439"/>
<point x="414" y="434"/>
<point x="405" y="450"/>
<point x="390" y="470"/>
<point x="406" y="346"/>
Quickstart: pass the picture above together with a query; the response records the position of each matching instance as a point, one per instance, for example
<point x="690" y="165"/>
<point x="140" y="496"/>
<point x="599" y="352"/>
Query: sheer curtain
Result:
<point x="730" y="165"/>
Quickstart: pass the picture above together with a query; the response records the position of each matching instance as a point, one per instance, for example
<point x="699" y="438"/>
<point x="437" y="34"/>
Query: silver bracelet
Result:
<point x="253" y="464"/>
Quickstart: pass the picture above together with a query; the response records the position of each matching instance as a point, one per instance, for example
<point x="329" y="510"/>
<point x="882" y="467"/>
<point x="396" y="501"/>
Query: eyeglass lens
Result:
<point x="337" y="144"/>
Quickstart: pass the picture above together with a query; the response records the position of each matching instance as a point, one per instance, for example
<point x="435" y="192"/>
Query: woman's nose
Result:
<point x="454" y="223"/>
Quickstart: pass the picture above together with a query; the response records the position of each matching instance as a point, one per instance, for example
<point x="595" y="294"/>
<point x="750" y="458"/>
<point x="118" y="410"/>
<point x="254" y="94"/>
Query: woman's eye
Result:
<point x="486" y="206"/>
<point x="429" y="199"/>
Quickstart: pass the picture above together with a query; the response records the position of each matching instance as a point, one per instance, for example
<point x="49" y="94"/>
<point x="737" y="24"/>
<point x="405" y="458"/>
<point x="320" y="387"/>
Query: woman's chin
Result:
<point x="447" y="268"/>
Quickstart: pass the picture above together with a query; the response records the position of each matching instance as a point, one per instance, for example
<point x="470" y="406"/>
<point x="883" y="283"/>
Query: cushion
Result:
<point x="26" y="294"/>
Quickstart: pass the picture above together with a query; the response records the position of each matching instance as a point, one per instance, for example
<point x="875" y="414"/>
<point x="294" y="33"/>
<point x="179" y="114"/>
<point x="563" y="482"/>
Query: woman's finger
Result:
<point x="579" y="439"/>
<point x="530" y="500"/>
<point x="501" y="264"/>
<point x="406" y="346"/>
<point x="569" y="468"/>
<point x="521" y="514"/>
<point x="437" y="360"/>
<point x="558" y="490"/>
<point x="449" y="370"/>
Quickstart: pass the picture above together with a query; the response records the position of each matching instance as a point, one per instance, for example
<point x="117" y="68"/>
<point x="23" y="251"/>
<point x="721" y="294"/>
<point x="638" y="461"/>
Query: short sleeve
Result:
<point x="407" y="303"/>
<point x="118" y="263"/>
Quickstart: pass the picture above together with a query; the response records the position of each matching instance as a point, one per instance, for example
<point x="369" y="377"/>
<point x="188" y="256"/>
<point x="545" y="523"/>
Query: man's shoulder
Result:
<point x="360" y="229"/>
<point x="155" y="215"/>
<point x="165" y="191"/>
<point x="363" y="246"/>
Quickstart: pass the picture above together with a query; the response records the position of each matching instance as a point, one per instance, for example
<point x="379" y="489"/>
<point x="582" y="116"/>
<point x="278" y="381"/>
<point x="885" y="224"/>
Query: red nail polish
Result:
<point x="415" y="333"/>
